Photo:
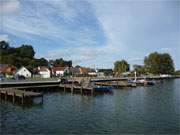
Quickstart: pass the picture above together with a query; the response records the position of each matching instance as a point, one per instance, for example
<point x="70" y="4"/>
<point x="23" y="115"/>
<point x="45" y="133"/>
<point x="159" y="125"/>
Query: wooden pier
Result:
<point x="30" y="90"/>
<point x="14" y="94"/>
<point x="116" y="84"/>
<point x="77" y="89"/>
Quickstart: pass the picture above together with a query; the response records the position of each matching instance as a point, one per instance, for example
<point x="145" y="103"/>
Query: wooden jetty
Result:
<point x="14" y="94"/>
<point x="74" y="88"/>
<point x="116" y="84"/>
<point x="23" y="90"/>
<point x="106" y="79"/>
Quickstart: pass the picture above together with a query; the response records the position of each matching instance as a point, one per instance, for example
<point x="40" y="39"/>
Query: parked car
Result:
<point x="19" y="77"/>
<point x="2" y="78"/>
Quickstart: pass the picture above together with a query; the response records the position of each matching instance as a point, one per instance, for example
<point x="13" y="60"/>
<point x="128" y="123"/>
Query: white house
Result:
<point x="60" y="71"/>
<point x="24" y="72"/>
<point x="44" y="72"/>
<point x="100" y="74"/>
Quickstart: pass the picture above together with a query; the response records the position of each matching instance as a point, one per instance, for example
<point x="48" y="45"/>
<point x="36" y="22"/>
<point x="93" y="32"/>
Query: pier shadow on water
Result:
<point x="27" y="103"/>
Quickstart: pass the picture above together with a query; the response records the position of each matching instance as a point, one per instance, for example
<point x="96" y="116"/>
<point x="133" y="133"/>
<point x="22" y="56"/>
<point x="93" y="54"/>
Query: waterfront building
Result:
<point x="7" y="70"/>
<point x="44" y="72"/>
<point x="23" y="72"/>
<point x="60" y="71"/>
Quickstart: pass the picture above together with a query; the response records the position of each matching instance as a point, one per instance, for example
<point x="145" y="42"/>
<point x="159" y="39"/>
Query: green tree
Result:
<point x="107" y="72"/>
<point x="4" y="45"/>
<point x="38" y="62"/>
<point x="25" y="51"/>
<point x="177" y="72"/>
<point x="120" y="67"/>
<point x="157" y="63"/>
<point x="139" y="69"/>
<point x="61" y="62"/>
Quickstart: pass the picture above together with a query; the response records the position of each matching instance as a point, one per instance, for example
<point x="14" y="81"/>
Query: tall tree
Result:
<point x="159" y="63"/>
<point x="38" y="62"/>
<point x="121" y="66"/>
<point x="4" y="45"/>
<point x="61" y="62"/>
<point x="26" y="51"/>
<point x="140" y="69"/>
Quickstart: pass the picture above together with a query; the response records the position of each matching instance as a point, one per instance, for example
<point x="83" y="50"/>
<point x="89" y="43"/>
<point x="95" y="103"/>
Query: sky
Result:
<point x="93" y="33"/>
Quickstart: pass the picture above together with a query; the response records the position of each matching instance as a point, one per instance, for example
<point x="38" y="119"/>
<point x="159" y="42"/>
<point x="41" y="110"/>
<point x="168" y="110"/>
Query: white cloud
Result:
<point x="165" y="50"/>
<point x="9" y="6"/>
<point x="4" y="37"/>
<point x="136" y="59"/>
<point x="130" y="28"/>
<point x="49" y="23"/>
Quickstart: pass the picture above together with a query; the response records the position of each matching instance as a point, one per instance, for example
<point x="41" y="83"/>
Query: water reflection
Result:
<point x="141" y="110"/>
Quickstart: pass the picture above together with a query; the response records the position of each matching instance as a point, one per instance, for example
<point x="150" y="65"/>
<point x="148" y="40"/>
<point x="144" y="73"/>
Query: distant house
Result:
<point x="8" y="70"/>
<point x="87" y="71"/>
<point x="100" y="74"/>
<point x="60" y="71"/>
<point x="75" y="71"/>
<point x="44" y="72"/>
<point x="23" y="72"/>
<point x="92" y="72"/>
<point x="83" y="71"/>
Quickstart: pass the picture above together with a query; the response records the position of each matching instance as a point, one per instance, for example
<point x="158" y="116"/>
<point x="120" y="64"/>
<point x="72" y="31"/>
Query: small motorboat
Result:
<point x="101" y="88"/>
<point x="146" y="82"/>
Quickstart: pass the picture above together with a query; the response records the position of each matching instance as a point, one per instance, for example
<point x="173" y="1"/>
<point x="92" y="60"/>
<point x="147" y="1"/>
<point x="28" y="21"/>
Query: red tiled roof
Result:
<point x="7" y="68"/>
<point x="43" y="69"/>
<point x="54" y="69"/>
<point x="84" y="70"/>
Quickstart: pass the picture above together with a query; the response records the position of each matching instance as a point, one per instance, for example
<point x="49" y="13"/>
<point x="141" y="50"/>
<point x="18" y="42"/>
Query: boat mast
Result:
<point x="135" y="76"/>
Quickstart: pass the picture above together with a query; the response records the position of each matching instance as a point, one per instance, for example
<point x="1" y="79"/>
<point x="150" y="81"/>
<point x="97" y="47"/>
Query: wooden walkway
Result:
<point x="116" y="84"/>
<point x="74" y="88"/>
<point x="138" y="78"/>
<point x="14" y="93"/>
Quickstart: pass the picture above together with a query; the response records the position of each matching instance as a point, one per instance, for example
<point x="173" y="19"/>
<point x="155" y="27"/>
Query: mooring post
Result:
<point x="42" y="99"/>
<point x="117" y="84"/>
<point x="65" y="88"/>
<point x="81" y="90"/>
<point x="92" y="91"/>
<point x="6" y="94"/>
<point x="22" y="101"/>
<point x="14" y="96"/>
<point x="72" y="88"/>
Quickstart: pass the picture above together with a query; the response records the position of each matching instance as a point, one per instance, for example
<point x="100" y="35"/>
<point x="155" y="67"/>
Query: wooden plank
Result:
<point x="19" y="93"/>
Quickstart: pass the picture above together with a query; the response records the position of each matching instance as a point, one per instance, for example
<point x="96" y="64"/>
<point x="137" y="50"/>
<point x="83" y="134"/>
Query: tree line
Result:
<point x="154" y="63"/>
<point x="25" y="56"/>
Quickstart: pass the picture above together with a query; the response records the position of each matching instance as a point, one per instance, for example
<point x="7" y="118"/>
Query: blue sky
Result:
<point x="93" y="32"/>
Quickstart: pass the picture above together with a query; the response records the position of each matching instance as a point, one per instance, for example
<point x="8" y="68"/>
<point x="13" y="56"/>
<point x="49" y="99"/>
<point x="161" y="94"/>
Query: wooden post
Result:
<point x="72" y="88"/>
<point x="1" y="94"/>
<point x="22" y="100"/>
<point x="65" y="88"/>
<point x="6" y="94"/>
<point x="92" y="91"/>
<point x="14" y="96"/>
<point x="81" y="90"/>
<point x="117" y="84"/>
<point x="42" y="99"/>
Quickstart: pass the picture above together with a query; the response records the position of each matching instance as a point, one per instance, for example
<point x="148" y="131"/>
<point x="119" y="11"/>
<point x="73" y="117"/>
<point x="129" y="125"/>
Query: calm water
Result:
<point x="145" y="110"/>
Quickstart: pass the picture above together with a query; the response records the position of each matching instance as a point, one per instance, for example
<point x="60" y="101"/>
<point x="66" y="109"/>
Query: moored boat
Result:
<point x="99" y="88"/>
<point x="103" y="88"/>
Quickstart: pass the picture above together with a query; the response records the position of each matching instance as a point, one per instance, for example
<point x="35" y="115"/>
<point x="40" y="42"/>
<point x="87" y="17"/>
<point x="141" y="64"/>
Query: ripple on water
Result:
<point x="139" y="110"/>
